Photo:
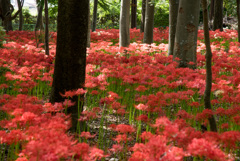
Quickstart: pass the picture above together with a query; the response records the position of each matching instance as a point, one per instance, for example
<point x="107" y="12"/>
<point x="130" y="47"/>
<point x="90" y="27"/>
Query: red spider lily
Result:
<point x="141" y="107"/>
<point x="116" y="148"/>
<point x="207" y="113"/>
<point x="122" y="138"/>
<point x="96" y="154"/>
<point x="68" y="103"/>
<point x="87" y="135"/>
<point x="122" y="128"/>
<point x="143" y="118"/>
<point x="201" y="147"/>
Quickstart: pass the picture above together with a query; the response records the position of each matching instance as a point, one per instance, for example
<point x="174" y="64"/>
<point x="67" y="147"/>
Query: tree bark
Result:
<point x="134" y="14"/>
<point x="238" y="17"/>
<point x="149" y="22"/>
<point x="89" y="27"/>
<point x="94" y="16"/>
<point x="124" y="33"/>
<point x="173" y="13"/>
<point x="70" y="62"/>
<point x="143" y="15"/>
<point x="218" y="15"/>
<point x="46" y="28"/>
<point x="6" y="12"/>
<point x="208" y="56"/>
<point x="20" y="27"/>
<point x="186" y="33"/>
<point x="212" y="10"/>
<point x="39" y="24"/>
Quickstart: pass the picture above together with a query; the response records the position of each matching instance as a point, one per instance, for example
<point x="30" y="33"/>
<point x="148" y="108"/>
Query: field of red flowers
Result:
<point x="138" y="105"/>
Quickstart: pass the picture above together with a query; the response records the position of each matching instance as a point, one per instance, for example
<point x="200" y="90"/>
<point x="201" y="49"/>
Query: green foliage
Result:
<point x="161" y="14"/>
<point x="27" y="17"/>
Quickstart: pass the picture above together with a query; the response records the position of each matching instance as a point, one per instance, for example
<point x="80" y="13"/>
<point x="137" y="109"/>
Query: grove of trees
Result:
<point x="182" y="72"/>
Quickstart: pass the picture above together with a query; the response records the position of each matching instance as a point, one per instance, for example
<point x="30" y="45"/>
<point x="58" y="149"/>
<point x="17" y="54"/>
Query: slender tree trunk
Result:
<point x="124" y="35"/>
<point x="212" y="9"/>
<point x="39" y="24"/>
<point x="218" y="15"/>
<point x="20" y="28"/>
<point x="46" y="28"/>
<point x="208" y="56"/>
<point x="143" y="15"/>
<point x="238" y="17"/>
<point x="173" y="13"/>
<point x="186" y="33"/>
<point x="149" y="22"/>
<point x="89" y="27"/>
<point x="134" y="14"/>
<point x="70" y="62"/>
<point x="94" y="24"/>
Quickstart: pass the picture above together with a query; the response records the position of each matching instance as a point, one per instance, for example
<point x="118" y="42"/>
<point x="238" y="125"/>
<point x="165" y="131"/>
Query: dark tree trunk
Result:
<point x="46" y="28"/>
<point x="143" y="15"/>
<point x="149" y="23"/>
<point x="20" y="27"/>
<point x="7" y="22"/>
<point x="238" y="17"/>
<point x="134" y="14"/>
<point x="218" y="15"/>
<point x="70" y="62"/>
<point x="208" y="56"/>
<point x="186" y="33"/>
<point x="89" y="27"/>
<point x="6" y="13"/>
<point x="94" y="16"/>
<point x="39" y="24"/>
<point x="173" y="13"/>
<point x="212" y="10"/>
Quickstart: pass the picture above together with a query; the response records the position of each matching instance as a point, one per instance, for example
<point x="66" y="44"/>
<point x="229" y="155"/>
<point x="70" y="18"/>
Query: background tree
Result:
<point x="94" y="21"/>
<point x="186" y="33"/>
<point x="238" y="17"/>
<point x="173" y="13"/>
<point x="149" y="22"/>
<point x="39" y="23"/>
<point x="143" y="15"/>
<point x="211" y="14"/>
<point x="46" y="28"/>
<point x="6" y="13"/>
<point x="134" y="14"/>
<point x="70" y="62"/>
<point x="218" y="15"/>
<point x="124" y="33"/>
<point x="208" y="56"/>
<point x="20" y="27"/>
<point x="89" y="27"/>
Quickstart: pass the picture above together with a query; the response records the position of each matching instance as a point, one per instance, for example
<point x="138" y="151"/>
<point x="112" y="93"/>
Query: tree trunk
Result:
<point x="134" y="14"/>
<point x="89" y="27"/>
<point x="238" y="17"/>
<point x="212" y="10"/>
<point x="186" y="33"/>
<point x="143" y="15"/>
<point x="46" y="28"/>
<point x="218" y="15"/>
<point x="6" y="12"/>
<point x="173" y="13"/>
<point x="20" y="27"/>
<point x="70" y="62"/>
<point x="39" y="24"/>
<point x="149" y="23"/>
<point x="124" y="33"/>
<point x="208" y="56"/>
<point x="94" y="16"/>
